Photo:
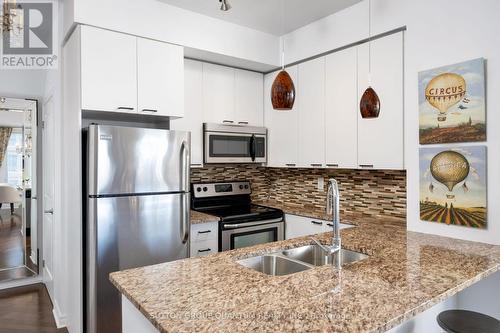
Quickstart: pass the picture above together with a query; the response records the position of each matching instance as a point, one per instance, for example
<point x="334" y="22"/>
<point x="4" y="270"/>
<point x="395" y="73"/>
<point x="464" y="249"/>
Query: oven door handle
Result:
<point x="251" y="224"/>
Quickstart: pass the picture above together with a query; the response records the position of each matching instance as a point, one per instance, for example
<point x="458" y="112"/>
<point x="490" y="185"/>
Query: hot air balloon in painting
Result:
<point x="453" y="185"/>
<point x="449" y="168"/>
<point x="444" y="91"/>
<point x="452" y="103"/>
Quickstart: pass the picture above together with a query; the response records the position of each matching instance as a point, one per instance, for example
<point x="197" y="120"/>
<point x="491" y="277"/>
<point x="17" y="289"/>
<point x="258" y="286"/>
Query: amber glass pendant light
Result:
<point x="283" y="89"/>
<point x="369" y="105"/>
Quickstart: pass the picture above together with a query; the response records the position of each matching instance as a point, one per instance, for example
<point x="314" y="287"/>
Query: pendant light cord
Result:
<point x="369" y="42"/>
<point x="283" y="35"/>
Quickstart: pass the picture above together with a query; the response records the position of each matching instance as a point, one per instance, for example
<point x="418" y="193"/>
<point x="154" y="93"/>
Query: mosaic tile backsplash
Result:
<point x="378" y="193"/>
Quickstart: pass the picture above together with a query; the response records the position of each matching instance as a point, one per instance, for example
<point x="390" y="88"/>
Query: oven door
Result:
<point x="236" y="236"/>
<point x="223" y="147"/>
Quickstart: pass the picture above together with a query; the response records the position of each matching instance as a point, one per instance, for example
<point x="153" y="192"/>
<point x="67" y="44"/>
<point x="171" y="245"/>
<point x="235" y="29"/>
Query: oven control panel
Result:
<point x="204" y="190"/>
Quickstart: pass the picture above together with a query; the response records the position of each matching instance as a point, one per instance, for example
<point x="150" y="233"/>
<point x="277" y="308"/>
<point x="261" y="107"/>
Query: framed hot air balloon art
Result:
<point x="453" y="186"/>
<point x="452" y="106"/>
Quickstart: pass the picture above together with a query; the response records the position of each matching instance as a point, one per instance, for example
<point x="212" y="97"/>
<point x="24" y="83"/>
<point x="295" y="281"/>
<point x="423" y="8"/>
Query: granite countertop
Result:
<point x="197" y="218"/>
<point x="406" y="273"/>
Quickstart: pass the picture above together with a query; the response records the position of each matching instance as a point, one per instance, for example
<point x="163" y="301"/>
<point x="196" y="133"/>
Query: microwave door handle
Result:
<point x="252" y="147"/>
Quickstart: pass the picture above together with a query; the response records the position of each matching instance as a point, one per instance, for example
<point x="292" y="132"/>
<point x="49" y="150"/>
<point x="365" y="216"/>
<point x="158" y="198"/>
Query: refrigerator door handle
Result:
<point x="185" y="217"/>
<point x="185" y="166"/>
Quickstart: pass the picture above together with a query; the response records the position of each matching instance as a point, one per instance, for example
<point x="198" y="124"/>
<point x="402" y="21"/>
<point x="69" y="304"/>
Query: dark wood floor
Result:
<point x="27" y="310"/>
<point x="11" y="240"/>
<point x="12" y="248"/>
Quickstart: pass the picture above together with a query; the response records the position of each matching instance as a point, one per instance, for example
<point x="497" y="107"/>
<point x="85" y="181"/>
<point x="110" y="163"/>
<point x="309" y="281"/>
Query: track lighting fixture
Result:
<point x="224" y="5"/>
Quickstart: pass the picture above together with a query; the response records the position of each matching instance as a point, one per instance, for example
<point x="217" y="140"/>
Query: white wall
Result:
<point x="160" y="21"/>
<point x="22" y="83"/>
<point x="438" y="33"/>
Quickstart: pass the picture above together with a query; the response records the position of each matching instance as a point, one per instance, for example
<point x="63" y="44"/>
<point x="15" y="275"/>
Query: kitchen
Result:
<point x="280" y="151"/>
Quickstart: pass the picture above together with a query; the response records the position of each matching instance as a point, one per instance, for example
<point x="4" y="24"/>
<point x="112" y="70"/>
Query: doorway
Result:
<point x="19" y="156"/>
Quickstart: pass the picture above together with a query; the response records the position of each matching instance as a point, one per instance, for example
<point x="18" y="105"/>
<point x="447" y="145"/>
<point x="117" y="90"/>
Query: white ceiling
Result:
<point x="267" y="15"/>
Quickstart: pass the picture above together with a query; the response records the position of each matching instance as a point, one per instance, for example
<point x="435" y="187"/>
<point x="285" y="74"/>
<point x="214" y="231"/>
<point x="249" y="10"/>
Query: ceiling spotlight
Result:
<point x="224" y="5"/>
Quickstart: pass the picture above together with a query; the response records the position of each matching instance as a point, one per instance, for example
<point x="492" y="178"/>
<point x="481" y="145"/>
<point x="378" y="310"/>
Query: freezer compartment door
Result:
<point x="137" y="160"/>
<point x="130" y="232"/>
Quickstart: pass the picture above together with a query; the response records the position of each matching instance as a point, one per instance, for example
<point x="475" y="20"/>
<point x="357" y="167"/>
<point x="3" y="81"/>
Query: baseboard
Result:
<point x="61" y="319"/>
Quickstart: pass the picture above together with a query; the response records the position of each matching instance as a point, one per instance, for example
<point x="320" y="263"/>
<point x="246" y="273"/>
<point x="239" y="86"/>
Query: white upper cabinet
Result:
<point x="160" y="71"/>
<point x="380" y="140"/>
<point x="108" y="70"/>
<point x="193" y="106"/>
<point x="248" y="98"/>
<point x="341" y="109"/>
<point x="232" y="96"/>
<point x="218" y="94"/>
<point x="312" y="113"/>
<point x="282" y="126"/>
<point x="124" y="73"/>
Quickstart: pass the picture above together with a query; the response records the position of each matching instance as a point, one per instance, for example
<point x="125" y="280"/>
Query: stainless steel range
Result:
<point x="241" y="223"/>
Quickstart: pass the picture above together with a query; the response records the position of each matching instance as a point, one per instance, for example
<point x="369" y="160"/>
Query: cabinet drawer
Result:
<point x="298" y="226"/>
<point x="204" y="231"/>
<point x="201" y="249"/>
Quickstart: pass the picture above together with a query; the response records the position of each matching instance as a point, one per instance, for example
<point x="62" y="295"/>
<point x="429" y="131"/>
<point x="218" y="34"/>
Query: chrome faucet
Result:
<point x="333" y="207"/>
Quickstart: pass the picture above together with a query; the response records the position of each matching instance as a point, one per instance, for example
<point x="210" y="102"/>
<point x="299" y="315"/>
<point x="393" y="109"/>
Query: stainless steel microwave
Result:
<point x="234" y="144"/>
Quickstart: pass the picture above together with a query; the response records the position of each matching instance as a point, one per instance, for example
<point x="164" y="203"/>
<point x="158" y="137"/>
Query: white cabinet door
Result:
<point x="380" y="140"/>
<point x="282" y="126"/>
<point x="341" y="109"/>
<point x="160" y="73"/>
<point x="249" y="109"/>
<point x="218" y="94"/>
<point x="312" y="113"/>
<point x="108" y="70"/>
<point x="193" y="110"/>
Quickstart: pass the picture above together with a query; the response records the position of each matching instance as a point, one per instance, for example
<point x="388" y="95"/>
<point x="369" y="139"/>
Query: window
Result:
<point x="15" y="159"/>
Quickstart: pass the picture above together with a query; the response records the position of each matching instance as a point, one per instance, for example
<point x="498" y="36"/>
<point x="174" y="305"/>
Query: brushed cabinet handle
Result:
<point x="243" y="122"/>
<point x="316" y="164"/>
<point x="332" y="165"/>
<point x="290" y="164"/>
<point x="128" y="108"/>
<point x="205" y="250"/>
<point x="228" y="122"/>
<point x="204" y="232"/>
<point x="149" y="110"/>
<point x="49" y="211"/>
<point x="317" y="223"/>
<point x="366" y="165"/>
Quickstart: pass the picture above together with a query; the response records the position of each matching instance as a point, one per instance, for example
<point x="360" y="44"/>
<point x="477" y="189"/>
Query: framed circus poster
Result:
<point x="452" y="106"/>
<point x="453" y="186"/>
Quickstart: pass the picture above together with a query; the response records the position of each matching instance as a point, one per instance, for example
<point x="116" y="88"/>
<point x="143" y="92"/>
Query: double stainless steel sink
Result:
<point x="298" y="259"/>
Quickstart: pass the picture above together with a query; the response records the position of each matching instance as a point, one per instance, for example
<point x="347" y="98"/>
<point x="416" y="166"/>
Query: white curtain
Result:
<point x="5" y="133"/>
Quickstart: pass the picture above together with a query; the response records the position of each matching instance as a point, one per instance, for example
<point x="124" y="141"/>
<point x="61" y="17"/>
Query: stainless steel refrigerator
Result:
<point x="137" y="210"/>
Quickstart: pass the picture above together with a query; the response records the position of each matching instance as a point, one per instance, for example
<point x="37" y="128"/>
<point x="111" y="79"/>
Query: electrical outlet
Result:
<point x="321" y="184"/>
